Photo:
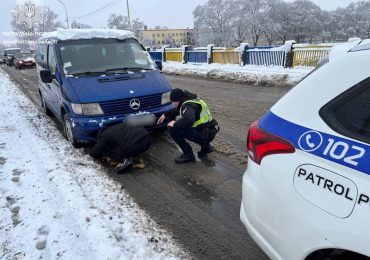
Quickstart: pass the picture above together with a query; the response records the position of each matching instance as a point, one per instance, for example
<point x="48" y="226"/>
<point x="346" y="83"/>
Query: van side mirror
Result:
<point x="159" y="64"/>
<point x="46" y="76"/>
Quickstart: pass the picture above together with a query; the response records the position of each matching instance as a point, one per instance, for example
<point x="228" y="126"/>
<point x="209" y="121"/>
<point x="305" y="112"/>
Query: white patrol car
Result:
<point x="306" y="192"/>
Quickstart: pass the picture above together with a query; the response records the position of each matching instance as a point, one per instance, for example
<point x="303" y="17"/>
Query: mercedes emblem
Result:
<point x="135" y="104"/>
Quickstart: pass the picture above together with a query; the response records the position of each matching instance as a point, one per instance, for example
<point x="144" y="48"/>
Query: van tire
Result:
<point x="68" y="132"/>
<point x="45" y="108"/>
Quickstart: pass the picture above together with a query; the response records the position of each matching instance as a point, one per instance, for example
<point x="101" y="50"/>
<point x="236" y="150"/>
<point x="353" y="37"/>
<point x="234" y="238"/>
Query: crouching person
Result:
<point x="196" y="124"/>
<point x="122" y="143"/>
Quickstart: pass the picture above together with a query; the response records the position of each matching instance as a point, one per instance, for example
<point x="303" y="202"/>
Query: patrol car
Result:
<point x="306" y="192"/>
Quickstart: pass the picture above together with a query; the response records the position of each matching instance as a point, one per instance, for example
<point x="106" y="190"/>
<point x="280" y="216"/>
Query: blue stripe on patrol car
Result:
<point x="343" y="151"/>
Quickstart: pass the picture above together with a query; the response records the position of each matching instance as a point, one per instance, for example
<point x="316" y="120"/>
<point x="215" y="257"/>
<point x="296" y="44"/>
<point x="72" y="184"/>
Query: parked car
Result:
<point x="93" y="78"/>
<point x="8" y="55"/>
<point x="306" y="192"/>
<point x="24" y="60"/>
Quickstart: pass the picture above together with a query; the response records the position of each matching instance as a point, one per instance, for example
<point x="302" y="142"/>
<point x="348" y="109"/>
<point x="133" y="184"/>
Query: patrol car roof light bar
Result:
<point x="261" y="144"/>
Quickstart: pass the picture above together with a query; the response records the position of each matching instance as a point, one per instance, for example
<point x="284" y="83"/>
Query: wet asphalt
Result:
<point x="199" y="202"/>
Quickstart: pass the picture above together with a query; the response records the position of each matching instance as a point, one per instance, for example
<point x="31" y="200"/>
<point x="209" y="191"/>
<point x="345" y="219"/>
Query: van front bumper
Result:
<point x="85" y="129"/>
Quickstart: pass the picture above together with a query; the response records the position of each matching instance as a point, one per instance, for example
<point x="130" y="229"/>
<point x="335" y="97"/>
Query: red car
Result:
<point x="24" y="60"/>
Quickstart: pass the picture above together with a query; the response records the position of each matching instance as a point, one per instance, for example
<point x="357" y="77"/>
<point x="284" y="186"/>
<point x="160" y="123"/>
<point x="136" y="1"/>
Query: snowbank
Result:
<point x="75" y="34"/>
<point x="56" y="203"/>
<point x="256" y="75"/>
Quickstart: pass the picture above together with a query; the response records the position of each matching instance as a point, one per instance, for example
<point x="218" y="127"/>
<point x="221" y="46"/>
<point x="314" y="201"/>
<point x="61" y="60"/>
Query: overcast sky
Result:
<point x="170" y="13"/>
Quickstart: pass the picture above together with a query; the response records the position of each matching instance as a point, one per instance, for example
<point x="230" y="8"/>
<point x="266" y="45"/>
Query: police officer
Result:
<point x="196" y="124"/>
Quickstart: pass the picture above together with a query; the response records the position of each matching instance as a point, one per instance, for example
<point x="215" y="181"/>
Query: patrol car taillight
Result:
<point x="261" y="143"/>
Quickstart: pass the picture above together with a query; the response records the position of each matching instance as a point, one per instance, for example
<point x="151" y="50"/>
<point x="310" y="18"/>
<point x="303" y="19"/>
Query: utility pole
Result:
<point x="65" y="8"/>
<point x="128" y="14"/>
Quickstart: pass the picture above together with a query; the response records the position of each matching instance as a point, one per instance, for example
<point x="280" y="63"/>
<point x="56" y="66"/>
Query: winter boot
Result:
<point x="124" y="166"/>
<point x="206" y="149"/>
<point x="184" y="159"/>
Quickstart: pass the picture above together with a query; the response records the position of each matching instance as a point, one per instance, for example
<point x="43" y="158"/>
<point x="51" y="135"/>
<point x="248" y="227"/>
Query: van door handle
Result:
<point x="48" y="85"/>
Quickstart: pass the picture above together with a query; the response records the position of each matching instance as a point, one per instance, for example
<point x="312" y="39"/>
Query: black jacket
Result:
<point x="121" y="141"/>
<point x="190" y="112"/>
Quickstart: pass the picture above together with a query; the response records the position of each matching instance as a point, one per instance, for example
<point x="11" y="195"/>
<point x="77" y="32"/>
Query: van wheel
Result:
<point x="45" y="108"/>
<point x="68" y="131"/>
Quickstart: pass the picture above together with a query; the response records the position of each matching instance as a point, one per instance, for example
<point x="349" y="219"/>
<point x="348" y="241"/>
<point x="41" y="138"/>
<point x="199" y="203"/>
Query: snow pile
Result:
<point x="76" y="34"/>
<point x="56" y="203"/>
<point x="256" y="75"/>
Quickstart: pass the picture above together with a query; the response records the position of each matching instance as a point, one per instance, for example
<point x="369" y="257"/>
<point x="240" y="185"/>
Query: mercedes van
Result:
<point x="92" y="78"/>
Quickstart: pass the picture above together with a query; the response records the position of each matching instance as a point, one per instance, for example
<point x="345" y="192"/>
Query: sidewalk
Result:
<point x="56" y="203"/>
<point x="255" y="75"/>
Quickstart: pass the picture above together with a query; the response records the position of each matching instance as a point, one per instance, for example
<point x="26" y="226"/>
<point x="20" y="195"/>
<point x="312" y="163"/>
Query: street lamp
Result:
<point x="128" y="14"/>
<point x="65" y="8"/>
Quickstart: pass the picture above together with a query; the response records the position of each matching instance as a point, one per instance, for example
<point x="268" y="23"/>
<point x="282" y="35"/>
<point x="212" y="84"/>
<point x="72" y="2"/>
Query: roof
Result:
<point x="77" y="34"/>
<point x="151" y="30"/>
<point x="11" y="49"/>
<point x="353" y="45"/>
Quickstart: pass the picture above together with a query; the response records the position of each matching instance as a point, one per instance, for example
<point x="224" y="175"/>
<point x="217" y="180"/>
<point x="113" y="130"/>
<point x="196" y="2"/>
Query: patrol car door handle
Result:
<point x="48" y="85"/>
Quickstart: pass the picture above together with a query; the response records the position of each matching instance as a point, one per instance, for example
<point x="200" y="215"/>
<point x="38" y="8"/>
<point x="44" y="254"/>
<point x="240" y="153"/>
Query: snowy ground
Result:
<point x="256" y="75"/>
<point x="56" y="203"/>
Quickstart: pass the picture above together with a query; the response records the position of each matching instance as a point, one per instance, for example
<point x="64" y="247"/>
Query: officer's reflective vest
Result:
<point x="205" y="114"/>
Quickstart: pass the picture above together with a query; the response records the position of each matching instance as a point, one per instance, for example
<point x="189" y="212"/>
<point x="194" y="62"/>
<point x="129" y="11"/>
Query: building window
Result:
<point x="162" y="34"/>
<point x="173" y="34"/>
<point x="158" y="35"/>
<point x="162" y="42"/>
<point x="177" y="34"/>
<point x="159" y="42"/>
<point x="153" y="35"/>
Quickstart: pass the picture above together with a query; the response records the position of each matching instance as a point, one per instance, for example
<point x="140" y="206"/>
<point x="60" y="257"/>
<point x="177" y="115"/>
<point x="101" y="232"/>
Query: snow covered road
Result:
<point x="55" y="203"/>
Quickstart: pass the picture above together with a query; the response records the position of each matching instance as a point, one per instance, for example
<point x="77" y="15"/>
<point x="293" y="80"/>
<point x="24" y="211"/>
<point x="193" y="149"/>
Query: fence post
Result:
<point x="185" y="49"/>
<point x="209" y="53"/>
<point x="243" y="54"/>
<point x="163" y="53"/>
<point x="289" y="54"/>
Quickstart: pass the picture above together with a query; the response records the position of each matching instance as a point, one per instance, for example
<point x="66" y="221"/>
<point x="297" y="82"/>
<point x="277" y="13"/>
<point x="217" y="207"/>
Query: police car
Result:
<point x="306" y="192"/>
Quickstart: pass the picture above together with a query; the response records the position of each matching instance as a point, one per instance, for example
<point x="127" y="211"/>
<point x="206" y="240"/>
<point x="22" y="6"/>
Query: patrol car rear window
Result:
<point x="349" y="113"/>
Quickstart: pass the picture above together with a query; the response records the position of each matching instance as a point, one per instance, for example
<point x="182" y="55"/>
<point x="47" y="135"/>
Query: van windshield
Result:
<point x="102" y="56"/>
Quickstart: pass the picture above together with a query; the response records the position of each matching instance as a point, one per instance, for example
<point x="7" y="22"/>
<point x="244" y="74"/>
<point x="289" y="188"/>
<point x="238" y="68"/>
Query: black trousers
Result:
<point x="180" y="135"/>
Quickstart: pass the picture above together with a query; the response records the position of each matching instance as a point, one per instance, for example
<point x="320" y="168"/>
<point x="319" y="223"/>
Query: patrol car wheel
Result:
<point x="68" y="132"/>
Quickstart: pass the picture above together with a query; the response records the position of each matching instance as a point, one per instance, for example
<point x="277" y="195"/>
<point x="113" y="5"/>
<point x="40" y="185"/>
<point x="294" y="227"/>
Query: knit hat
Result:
<point x="177" y="95"/>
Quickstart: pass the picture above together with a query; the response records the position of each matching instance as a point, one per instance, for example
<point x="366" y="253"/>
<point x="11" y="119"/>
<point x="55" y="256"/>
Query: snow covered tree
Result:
<point x="122" y="23"/>
<point x="228" y="23"/>
<point x="213" y="22"/>
<point x="77" y="25"/>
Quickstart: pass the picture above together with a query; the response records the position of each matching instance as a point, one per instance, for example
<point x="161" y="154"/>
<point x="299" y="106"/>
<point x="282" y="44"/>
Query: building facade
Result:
<point x="171" y="37"/>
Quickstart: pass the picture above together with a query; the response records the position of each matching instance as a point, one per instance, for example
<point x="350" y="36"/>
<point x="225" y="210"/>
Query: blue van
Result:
<point x="92" y="78"/>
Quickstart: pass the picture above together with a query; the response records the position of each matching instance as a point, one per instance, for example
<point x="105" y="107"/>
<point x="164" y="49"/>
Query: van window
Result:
<point x="51" y="60"/>
<point x="349" y="114"/>
<point x="100" y="55"/>
<point x="41" y="55"/>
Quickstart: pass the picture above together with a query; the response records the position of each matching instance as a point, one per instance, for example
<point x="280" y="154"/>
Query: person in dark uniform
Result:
<point x="121" y="143"/>
<point x="196" y="124"/>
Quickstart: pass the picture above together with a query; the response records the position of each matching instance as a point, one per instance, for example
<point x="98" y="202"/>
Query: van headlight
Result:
<point x="166" y="98"/>
<point x="87" y="109"/>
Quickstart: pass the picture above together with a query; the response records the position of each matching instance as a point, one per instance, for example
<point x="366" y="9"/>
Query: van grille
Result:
<point x="122" y="106"/>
